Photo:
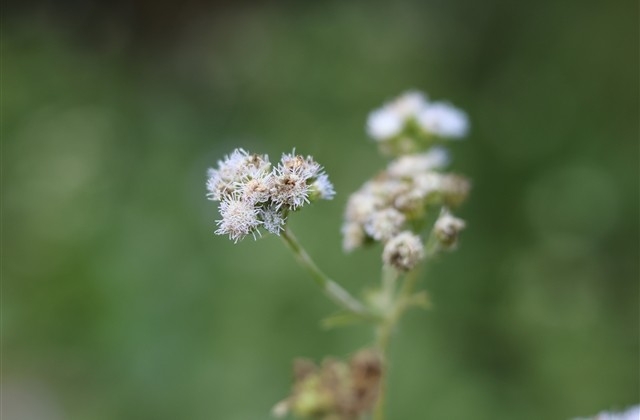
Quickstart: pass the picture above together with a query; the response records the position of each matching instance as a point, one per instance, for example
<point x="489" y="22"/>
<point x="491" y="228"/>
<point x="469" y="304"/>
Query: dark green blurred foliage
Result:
<point x="119" y="302"/>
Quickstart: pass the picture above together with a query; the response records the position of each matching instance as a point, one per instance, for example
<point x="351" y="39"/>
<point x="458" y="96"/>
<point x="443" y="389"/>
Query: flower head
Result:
<point x="239" y="218"/>
<point x="444" y="120"/>
<point x="410" y="165"/>
<point x="233" y="171"/>
<point x="254" y="194"/>
<point x="410" y="123"/>
<point x="389" y="121"/>
<point x="403" y="252"/>
<point x="323" y="188"/>
<point x="383" y="124"/>
<point x="272" y="220"/>
<point x="447" y="228"/>
<point x="383" y="224"/>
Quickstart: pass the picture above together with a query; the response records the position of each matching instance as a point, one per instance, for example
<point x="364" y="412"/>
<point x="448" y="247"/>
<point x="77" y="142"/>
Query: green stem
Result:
<point x="333" y="290"/>
<point x="385" y="328"/>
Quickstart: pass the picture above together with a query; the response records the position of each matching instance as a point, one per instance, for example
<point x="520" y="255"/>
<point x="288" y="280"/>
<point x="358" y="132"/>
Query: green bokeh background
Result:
<point x="118" y="302"/>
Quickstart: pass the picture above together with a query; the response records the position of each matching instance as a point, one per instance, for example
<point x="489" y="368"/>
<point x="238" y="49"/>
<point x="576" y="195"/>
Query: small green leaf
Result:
<point x="343" y="319"/>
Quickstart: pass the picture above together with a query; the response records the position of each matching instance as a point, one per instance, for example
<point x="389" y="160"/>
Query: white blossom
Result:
<point x="234" y="170"/>
<point x="384" y="224"/>
<point x="409" y="104"/>
<point x="239" y="218"/>
<point x="272" y="220"/>
<point x="254" y="194"/>
<point x="389" y="120"/>
<point x="428" y="183"/>
<point x="447" y="228"/>
<point x="255" y="189"/>
<point x="361" y="205"/>
<point x="353" y="236"/>
<point x="289" y="190"/>
<point x="410" y="165"/>
<point x="403" y="252"/>
<point x="323" y="187"/>
<point x="296" y="164"/>
<point x="444" y="120"/>
<point x="384" y="123"/>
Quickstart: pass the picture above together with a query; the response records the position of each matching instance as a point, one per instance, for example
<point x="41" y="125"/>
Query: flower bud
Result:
<point x="447" y="229"/>
<point x="403" y="252"/>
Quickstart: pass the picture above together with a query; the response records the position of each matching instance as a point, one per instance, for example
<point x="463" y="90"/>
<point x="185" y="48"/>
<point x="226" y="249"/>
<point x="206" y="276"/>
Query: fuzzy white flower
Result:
<point x="239" y="218"/>
<point x="384" y="224"/>
<point x="384" y="123"/>
<point x="295" y="178"/>
<point x="255" y="189"/>
<point x="411" y="165"/>
<point x="272" y="220"/>
<point x="323" y="187"/>
<point x="409" y="104"/>
<point x="232" y="171"/>
<point x="444" y="120"/>
<point x="254" y="194"/>
<point x="296" y="164"/>
<point x="428" y="183"/>
<point x="361" y="205"/>
<point x="289" y="190"/>
<point x="447" y="228"/>
<point x="389" y="121"/>
<point x="353" y="236"/>
<point x="404" y="251"/>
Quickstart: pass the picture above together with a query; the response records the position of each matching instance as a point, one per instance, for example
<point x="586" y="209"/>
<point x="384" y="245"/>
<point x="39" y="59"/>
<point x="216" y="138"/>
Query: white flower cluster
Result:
<point x="386" y="206"/>
<point x="391" y="206"/>
<point x="447" y="228"/>
<point x="253" y="194"/>
<point x="411" y="122"/>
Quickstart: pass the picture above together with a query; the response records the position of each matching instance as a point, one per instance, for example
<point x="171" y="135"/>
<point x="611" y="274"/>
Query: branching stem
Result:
<point x="331" y="289"/>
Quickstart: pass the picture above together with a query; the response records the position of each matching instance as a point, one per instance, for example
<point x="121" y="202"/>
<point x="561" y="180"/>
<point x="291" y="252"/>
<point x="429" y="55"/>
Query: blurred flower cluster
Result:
<point x="253" y="194"/>
<point x="412" y="123"/>
<point x="391" y="207"/>
<point x="336" y="390"/>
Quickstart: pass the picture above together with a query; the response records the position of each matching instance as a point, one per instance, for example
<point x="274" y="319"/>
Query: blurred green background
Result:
<point x="118" y="301"/>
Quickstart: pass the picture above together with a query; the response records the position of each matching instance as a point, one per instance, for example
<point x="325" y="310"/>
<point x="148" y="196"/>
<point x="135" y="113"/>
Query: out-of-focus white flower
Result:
<point x="454" y="188"/>
<point x="361" y="205"/>
<point x="444" y="120"/>
<point x="239" y="218"/>
<point x="409" y="104"/>
<point x="323" y="187"/>
<point x="383" y="124"/>
<point x="428" y="182"/>
<point x="384" y="224"/>
<point x="353" y="236"/>
<point x="403" y="252"/>
<point x="439" y="119"/>
<point x="410" y="165"/>
<point x="447" y="228"/>
<point x="389" y="120"/>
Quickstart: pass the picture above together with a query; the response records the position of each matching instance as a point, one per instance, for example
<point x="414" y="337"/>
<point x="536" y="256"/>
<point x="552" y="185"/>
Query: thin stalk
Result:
<point x="331" y="289"/>
<point x="386" y="327"/>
